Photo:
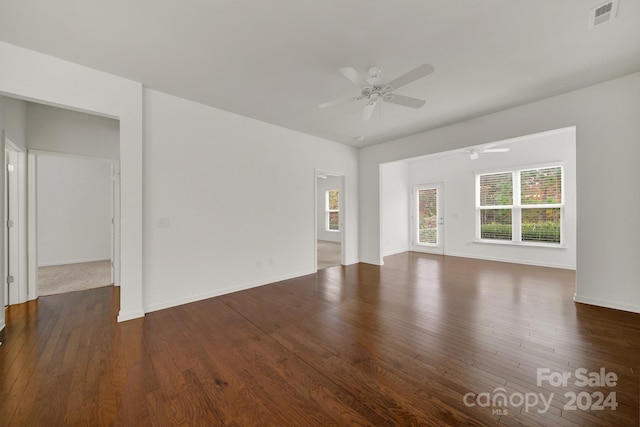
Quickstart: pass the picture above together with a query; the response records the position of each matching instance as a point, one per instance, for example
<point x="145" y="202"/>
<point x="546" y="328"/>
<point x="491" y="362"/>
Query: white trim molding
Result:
<point x="606" y="303"/>
<point x="218" y="292"/>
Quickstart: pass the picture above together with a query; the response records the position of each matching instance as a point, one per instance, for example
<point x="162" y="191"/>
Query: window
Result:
<point x="522" y="206"/>
<point x="332" y="208"/>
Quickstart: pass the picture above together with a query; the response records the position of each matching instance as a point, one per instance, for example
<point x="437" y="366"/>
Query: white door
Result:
<point x="12" y="279"/>
<point x="428" y="219"/>
<point x="5" y="281"/>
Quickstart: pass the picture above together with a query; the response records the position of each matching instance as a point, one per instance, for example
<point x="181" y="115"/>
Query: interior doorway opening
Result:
<point x="76" y="222"/>
<point x="329" y="227"/>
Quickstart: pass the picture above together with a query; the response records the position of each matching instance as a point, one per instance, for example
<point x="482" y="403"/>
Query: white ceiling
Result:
<point x="275" y="60"/>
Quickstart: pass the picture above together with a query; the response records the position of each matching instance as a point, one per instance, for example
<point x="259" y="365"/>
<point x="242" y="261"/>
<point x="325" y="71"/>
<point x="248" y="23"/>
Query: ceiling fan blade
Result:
<point x="496" y="150"/>
<point x="338" y="102"/>
<point x="354" y="76"/>
<point x="407" y="101"/>
<point x="367" y="112"/>
<point x="415" y="74"/>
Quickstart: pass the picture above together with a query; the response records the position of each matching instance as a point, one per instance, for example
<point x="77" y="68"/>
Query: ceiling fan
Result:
<point x="474" y="152"/>
<point x="376" y="89"/>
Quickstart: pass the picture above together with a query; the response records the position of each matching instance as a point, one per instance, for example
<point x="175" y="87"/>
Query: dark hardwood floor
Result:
<point x="424" y="340"/>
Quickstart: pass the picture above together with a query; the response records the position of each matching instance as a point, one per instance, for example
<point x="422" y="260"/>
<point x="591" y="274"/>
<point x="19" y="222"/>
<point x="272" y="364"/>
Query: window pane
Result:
<point x="428" y="216"/>
<point x="495" y="224"/>
<point x="496" y="189"/>
<point x="541" y="225"/>
<point x="333" y="200"/>
<point x="334" y="220"/>
<point x="541" y="186"/>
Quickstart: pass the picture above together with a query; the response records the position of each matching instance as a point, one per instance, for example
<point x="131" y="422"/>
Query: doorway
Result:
<point x="329" y="250"/>
<point x="428" y="218"/>
<point x="77" y="226"/>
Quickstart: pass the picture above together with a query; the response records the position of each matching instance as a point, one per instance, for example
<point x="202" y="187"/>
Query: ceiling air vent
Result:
<point x="603" y="13"/>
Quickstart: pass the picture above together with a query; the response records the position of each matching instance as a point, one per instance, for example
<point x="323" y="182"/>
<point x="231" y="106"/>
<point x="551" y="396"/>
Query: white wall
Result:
<point x="215" y="242"/>
<point x="29" y="75"/>
<point x="394" y="207"/>
<point x="457" y="171"/>
<point x="74" y="210"/>
<point x="65" y="131"/>
<point x="238" y="195"/>
<point x="607" y="153"/>
<point x="324" y="185"/>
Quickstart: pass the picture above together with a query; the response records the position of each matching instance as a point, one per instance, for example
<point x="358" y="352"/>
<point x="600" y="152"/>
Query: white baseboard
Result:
<point x="223" y="291"/>
<point x="130" y="315"/>
<point x="395" y="252"/>
<point x="607" y="303"/>
<point x="329" y="239"/>
<point x="66" y="262"/>
<point x="512" y="261"/>
<point x="486" y="258"/>
<point x="371" y="261"/>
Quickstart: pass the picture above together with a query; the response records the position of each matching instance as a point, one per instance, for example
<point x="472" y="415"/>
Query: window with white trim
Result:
<point x="332" y="203"/>
<point x="521" y="206"/>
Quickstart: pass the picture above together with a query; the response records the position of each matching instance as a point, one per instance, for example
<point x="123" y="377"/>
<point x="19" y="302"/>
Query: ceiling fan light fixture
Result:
<point x="474" y="153"/>
<point x="374" y="71"/>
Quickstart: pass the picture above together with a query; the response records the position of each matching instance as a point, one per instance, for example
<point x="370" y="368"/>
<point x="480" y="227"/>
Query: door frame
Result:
<point x="15" y="208"/>
<point x="115" y="223"/>
<point x="341" y="209"/>
<point x="437" y="249"/>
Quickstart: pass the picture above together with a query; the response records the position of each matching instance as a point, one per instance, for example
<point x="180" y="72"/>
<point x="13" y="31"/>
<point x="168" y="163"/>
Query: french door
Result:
<point x="427" y="218"/>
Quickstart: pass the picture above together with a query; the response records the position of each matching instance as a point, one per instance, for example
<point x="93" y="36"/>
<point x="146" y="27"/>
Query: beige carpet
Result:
<point x="328" y="254"/>
<point x="59" y="279"/>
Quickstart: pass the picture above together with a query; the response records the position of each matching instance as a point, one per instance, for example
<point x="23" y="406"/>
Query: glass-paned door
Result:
<point x="428" y="218"/>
